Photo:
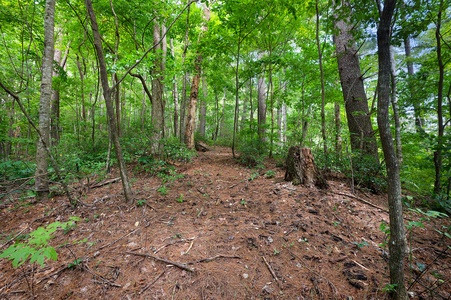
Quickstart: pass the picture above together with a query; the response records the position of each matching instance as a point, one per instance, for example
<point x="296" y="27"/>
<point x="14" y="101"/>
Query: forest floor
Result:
<point x="220" y="232"/>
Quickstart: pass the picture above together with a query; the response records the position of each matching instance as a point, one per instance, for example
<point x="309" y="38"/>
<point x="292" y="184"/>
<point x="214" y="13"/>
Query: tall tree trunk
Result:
<point x="191" y="116"/>
<point x="157" y="93"/>
<point x="397" y="245"/>
<point x="321" y="76"/>
<point x="261" y="114"/>
<point x="203" y="108"/>
<point x="175" y="96"/>
<point x="55" y="102"/>
<point x="395" y="106"/>
<point x="185" y="81"/>
<point x="109" y="102"/>
<point x="356" y="104"/>
<point x="438" y="158"/>
<point x="43" y="144"/>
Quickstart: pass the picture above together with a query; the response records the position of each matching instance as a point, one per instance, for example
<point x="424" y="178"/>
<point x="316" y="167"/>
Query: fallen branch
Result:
<point x="178" y="265"/>
<point x="104" y="182"/>
<point x="272" y="272"/>
<point x="172" y="243"/>
<point x="113" y="242"/>
<point x="361" y="200"/>
<point x="150" y="284"/>
<point x="208" y="259"/>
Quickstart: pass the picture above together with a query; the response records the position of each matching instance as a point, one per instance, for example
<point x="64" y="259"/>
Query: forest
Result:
<point x="128" y="104"/>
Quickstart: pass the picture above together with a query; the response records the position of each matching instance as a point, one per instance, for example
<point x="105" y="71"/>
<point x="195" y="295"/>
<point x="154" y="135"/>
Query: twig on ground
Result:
<point x="177" y="264"/>
<point x="361" y="200"/>
<point x="208" y="259"/>
<point x="172" y="243"/>
<point x="113" y="242"/>
<point x="272" y="272"/>
<point x="360" y="265"/>
<point x="104" y="182"/>
<point x="189" y="248"/>
<point x="150" y="284"/>
<point x="102" y="280"/>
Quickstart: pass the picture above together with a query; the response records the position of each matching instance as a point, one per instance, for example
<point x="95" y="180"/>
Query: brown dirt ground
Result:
<point x="234" y="236"/>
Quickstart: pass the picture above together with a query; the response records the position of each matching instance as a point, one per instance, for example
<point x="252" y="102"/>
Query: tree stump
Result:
<point x="200" y="147"/>
<point x="301" y="168"/>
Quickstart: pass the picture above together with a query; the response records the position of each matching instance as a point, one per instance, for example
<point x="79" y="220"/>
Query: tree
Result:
<point x="397" y="243"/>
<point x="356" y="104"/>
<point x="107" y="92"/>
<point x="43" y="144"/>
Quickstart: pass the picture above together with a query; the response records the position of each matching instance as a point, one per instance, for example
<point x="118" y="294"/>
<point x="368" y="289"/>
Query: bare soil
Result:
<point x="221" y="232"/>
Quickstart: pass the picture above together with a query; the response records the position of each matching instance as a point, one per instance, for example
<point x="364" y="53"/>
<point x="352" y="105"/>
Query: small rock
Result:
<point x="245" y="276"/>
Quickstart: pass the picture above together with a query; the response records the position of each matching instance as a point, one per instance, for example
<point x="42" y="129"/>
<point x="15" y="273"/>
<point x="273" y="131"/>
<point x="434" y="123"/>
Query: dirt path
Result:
<point x="222" y="231"/>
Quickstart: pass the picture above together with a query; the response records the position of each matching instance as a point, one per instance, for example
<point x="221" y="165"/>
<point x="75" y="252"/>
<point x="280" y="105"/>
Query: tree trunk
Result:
<point x="157" y="93"/>
<point x="301" y="168"/>
<point x="175" y="96"/>
<point x="203" y="108"/>
<point x="397" y="243"/>
<point x="261" y="98"/>
<point x="191" y="116"/>
<point x="438" y="159"/>
<point x="42" y="155"/>
<point x="356" y="104"/>
<point x="321" y="76"/>
<point x="109" y="102"/>
<point x="395" y="106"/>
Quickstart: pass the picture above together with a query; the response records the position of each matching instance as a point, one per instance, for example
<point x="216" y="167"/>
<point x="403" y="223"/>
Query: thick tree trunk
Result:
<point x="397" y="243"/>
<point x="109" y="102"/>
<point x="191" y="117"/>
<point x="356" y="104"/>
<point x="42" y="154"/>
<point x="301" y="168"/>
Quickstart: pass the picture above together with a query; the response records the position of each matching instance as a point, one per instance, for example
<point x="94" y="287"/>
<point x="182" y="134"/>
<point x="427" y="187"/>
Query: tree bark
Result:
<point x="438" y="158"/>
<point x="321" y="76"/>
<point x="356" y="104"/>
<point x="397" y="243"/>
<point x="301" y="168"/>
<point x="191" y="117"/>
<point x="261" y="115"/>
<point x="42" y="155"/>
<point x="107" y="93"/>
<point x="203" y="108"/>
<point x="157" y="92"/>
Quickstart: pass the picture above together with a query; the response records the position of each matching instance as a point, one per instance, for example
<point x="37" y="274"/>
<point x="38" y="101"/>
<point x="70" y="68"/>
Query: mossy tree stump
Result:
<point x="301" y="168"/>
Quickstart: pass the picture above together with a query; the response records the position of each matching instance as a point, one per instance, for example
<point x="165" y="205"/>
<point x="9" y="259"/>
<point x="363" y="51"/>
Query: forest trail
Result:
<point x="223" y="231"/>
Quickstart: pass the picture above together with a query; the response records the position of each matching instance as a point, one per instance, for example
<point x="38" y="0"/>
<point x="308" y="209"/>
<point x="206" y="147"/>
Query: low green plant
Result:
<point x="389" y="288"/>
<point x="253" y="176"/>
<point x="361" y="244"/>
<point x="141" y="202"/>
<point x="75" y="263"/>
<point x="35" y="248"/>
<point x="276" y="252"/>
<point x="163" y="190"/>
<point x="243" y="202"/>
<point x="270" y="174"/>
<point x="180" y="198"/>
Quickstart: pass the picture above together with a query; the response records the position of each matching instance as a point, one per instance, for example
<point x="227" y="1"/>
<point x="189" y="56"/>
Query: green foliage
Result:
<point x="270" y="174"/>
<point x="12" y="170"/>
<point x="163" y="190"/>
<point x="141" y="202"/>
<point x="180" y="198"/>
<point x="75" y="263"/>
<point x="252" y="152"/>
<point x="361" y="244"/>
<point x="35" y="248"/>
<point x="174" y="150"/>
